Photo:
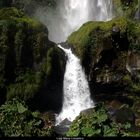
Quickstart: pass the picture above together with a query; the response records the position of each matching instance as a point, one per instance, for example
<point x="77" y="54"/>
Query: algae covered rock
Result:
<point x="103" y="48"/>
<point x="126" y="8"/>
<point x="27" y="58"/>
<point x="94" y="37"/>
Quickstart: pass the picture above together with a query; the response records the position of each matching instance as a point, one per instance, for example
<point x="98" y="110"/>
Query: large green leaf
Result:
<point x="21" y="108"/>
<point x="74" y="133"/>
<point x="86" y="131"/>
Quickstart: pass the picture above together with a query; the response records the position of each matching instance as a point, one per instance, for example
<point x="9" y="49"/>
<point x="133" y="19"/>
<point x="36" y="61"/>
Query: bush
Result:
<point x="26" y="86"/>
<point x="97" y="123"/>
<point x="17" y="120"/>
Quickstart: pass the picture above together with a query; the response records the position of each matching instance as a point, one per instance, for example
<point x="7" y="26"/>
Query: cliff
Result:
<point x="29" y="61"/>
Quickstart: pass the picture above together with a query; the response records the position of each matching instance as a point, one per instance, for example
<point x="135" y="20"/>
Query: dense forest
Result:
<point x="32" y="71"/>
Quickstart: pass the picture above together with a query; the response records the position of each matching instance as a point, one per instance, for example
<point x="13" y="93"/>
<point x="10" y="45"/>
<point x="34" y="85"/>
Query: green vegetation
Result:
<point x="93" y="43"/>
<point x="28" y="59"/>
<point x="98" y="124"/>
<point x="25" y="86"/>
<point x="81" y="38"/>
<point x="17" y="120"/>
<point x="125" y="8"/>
<point x="30" y="64"/>
<point x="94" y="37"/>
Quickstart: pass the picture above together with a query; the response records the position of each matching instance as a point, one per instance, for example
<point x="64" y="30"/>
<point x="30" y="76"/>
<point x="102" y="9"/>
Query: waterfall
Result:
<point x="76" y="89"/>
<point x="69" y="15"/>
<point x="61" y="21"/>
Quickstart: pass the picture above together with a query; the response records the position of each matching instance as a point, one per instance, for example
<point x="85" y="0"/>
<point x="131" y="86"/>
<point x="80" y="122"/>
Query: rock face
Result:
<point x="120" y="113"/>
<point x="31" y="65"/>
<point x="5" y="3"/>
<point x="63" y="127"/>
<point x="124" y="115"/>
<point x="125" y="8"/>
<point x="105" y="50"/>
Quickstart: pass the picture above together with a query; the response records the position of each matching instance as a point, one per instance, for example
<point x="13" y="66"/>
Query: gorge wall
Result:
<point x="29" y="61"/>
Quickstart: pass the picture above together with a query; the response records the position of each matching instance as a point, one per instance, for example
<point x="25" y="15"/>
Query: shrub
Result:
<point x="97" y="123"/>
<point x="17" y="120"/>
<point x="26" y="86"/>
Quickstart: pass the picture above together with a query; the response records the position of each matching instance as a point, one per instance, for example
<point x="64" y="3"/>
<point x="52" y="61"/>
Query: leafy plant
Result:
<point x="17" y="120"/>
<point x="26" y="86"/>
<point x="97" y="123"/>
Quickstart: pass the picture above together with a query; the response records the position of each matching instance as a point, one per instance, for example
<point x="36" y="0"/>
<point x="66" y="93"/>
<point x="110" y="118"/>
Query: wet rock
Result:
<point x="124" y="115"/>
<point x="115" y="104"/>
<point x="87" y="111"/>
<point x="65" y="122"/>
<point x="133" y="64"/>
<point x="63" y="127"/>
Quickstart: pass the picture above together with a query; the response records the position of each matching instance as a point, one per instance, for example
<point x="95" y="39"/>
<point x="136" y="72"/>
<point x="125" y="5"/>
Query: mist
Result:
<point x="69" y="15"/>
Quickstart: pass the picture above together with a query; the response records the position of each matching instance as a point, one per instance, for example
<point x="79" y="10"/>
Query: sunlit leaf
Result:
<point x="21" y="108"/>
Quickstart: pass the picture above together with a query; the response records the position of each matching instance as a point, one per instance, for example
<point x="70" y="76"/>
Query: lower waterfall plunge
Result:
<point x="76" y="89"/>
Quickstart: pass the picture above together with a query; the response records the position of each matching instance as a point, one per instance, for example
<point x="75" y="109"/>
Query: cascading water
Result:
<point x="69" y="15"/>
<point x="76" y="89"/>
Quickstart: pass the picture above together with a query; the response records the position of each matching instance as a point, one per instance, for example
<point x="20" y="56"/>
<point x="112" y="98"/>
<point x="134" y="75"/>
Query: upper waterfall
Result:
<point x="69" y="15"/>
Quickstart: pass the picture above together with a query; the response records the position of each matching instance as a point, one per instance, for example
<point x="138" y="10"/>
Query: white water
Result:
<point x="76" y="89"/>
<point x="69" y="15"/>
<point x="66" y="18"/>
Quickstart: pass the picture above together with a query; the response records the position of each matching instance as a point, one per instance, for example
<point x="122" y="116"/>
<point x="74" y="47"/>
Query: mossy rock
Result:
<point x="25" y="51"/>
<point x="94" y="37"/>
<point x="6" y="13"/>
<point x="80" y="38"/>
<point x="125" y="8"/>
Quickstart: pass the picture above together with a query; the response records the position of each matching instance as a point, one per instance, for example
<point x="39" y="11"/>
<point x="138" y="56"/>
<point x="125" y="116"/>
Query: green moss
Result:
<point x="124" y="8"/>
<point x="94" y="40"/>
<point x="54" y="63"/>
<point x="6" y="13"/>
<point x="26" y="86"/>
<point x="82" y="37"/>
<point x="13" y="14"/>
<point x="23" y="44"/>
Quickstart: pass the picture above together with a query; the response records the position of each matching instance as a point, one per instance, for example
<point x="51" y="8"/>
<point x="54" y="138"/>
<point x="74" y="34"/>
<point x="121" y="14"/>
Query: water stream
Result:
<point x="75" y="88"/>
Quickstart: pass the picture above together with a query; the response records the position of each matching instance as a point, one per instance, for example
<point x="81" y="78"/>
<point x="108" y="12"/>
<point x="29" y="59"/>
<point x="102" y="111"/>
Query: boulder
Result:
<point x="87" y="111"/>
<point x="124" y="115"/>
<point x="62" y="128"/>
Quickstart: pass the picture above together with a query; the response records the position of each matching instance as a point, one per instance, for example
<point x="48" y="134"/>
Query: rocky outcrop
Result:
<point x="31" y="65"/>
<point x="126" y="8"/>
<point x="105" y="50"/>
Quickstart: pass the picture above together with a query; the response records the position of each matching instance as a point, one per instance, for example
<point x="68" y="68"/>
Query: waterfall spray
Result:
<point x="69" y="15"/>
